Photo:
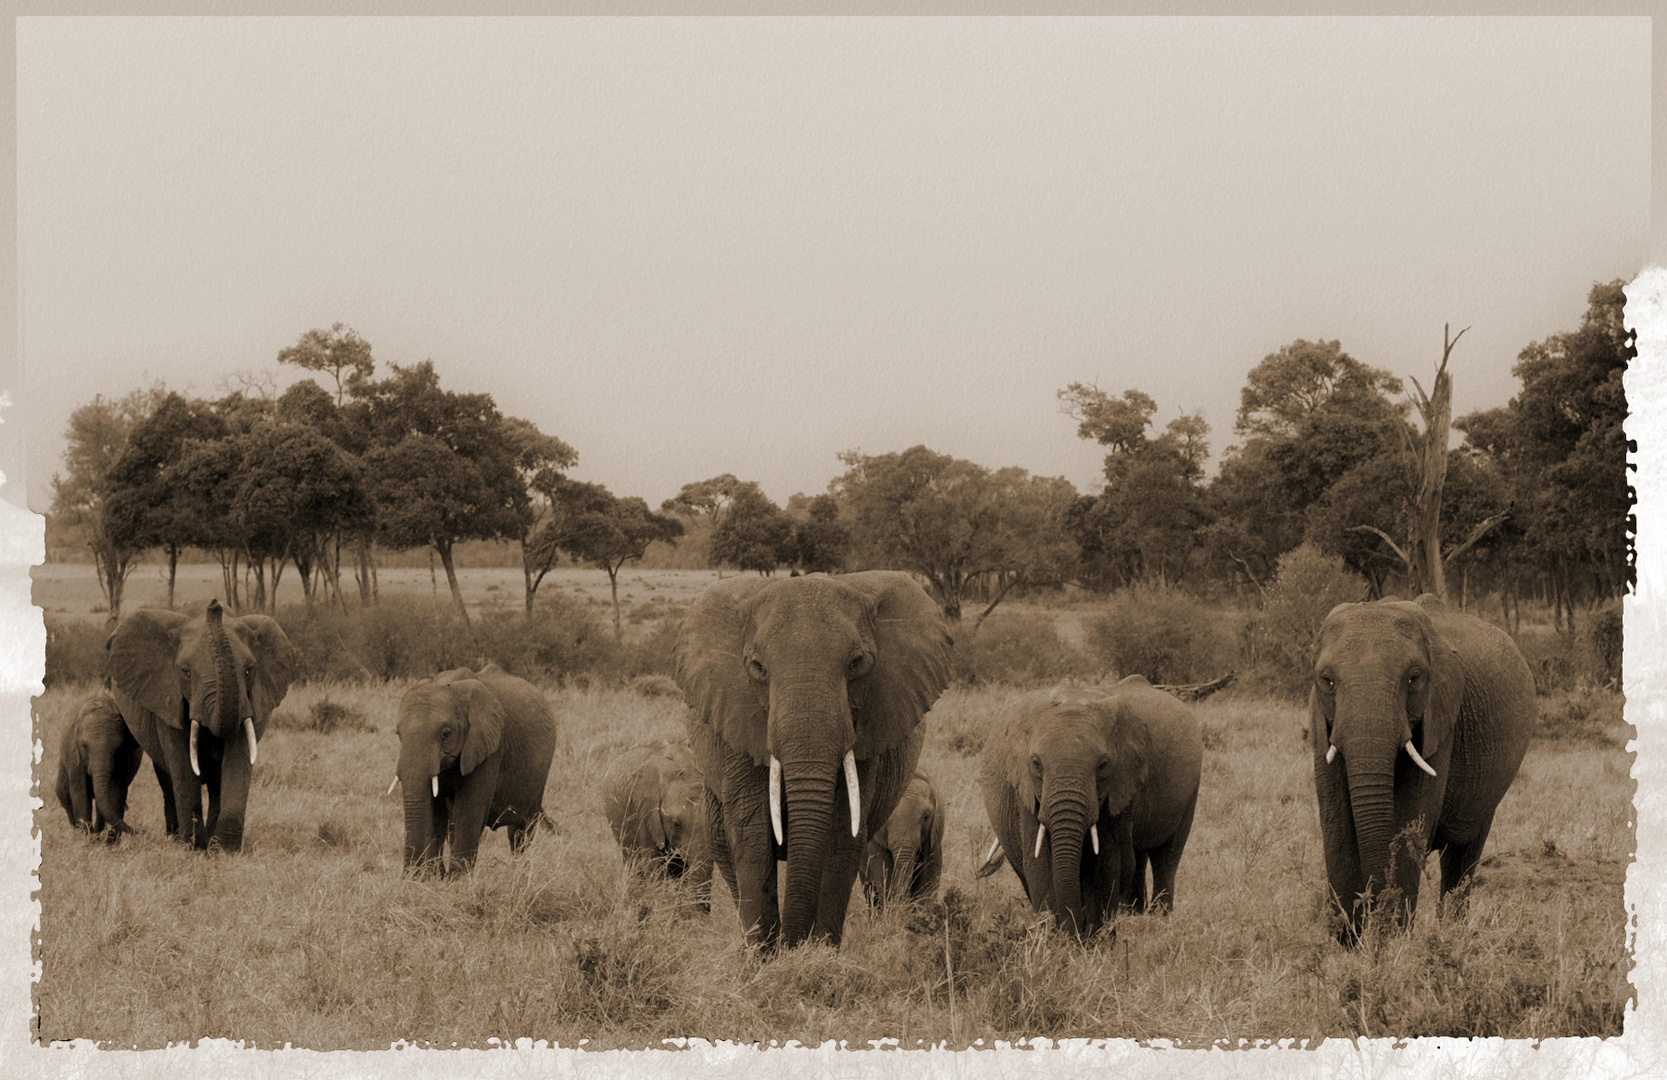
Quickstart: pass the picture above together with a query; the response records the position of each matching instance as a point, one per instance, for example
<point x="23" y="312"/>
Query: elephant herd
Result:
<point x="806" y="699"/>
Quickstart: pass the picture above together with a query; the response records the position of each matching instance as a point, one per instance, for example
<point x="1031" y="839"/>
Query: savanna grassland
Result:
<point x="313" y="937"/>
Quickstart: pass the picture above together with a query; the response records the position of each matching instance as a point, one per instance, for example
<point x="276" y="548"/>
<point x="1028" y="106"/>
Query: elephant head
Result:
<point x="448" y="729"/>
<point x="1383" y="707"/>
<point x="1076" y="760"/>
<point x="655" y="801"/>
<point x="213" y="679"/>
<point x="805" y="695"/>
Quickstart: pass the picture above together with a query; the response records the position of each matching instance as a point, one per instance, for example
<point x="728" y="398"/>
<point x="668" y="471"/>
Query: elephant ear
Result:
<point x="143" y="651"/>
<point x="911" y="660"/>
<point x="485" y="715"/>
<point x="1441" y="708"/>
<point x="275" y="663"/>
<point x="1129" y="744"/>
<point x="634" y="802"/>
<point x="710" y="668"/>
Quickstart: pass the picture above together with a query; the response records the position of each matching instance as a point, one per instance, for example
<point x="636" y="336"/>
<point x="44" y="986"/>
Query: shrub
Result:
<point x="1162" y="633"/>
<point x="1279" y="641"/>
<point x="560" y="637"/>
<point x="1018" y="650"/>
<point x="74" y="652"/>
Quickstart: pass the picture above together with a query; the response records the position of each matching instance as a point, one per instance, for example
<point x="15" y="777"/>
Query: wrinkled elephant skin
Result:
<point x="805" y="699"/>
<point x="97" y="761"/>
<point x="474" y="754"/>
<point x="1419" y="719"/>
<point x="904" y="859"/>
<point x="1087" y="786"/>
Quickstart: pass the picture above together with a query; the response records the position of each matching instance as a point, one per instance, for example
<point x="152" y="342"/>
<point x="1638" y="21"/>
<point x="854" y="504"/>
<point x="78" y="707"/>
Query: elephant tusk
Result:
<point x="775" y="798"/>
<point x="1330" y="752"/>
<point x="1041" y="830"/>
<point x="391" y="784"/>
<point x="851" y="791"/>
<point x="988" y="855"/>
<point x="1094" y="837"/>
<point x="249" y="729"/>
<point x="434" y="784"/>
<point x="1417" y="760"/>
<point x="196" y="769"/>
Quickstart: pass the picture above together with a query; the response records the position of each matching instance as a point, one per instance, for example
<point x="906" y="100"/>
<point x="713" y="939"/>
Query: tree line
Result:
<point x="319" y="478"/>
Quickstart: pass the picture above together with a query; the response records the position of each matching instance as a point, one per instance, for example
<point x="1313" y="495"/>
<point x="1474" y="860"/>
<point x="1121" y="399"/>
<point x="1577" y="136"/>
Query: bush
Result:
<point x="74" y="652"/>
<point x="1279" y="641"/>
<point x="1162" y="633"/>
<point x="560" y="638"/>
<point x="1019" y="650"/>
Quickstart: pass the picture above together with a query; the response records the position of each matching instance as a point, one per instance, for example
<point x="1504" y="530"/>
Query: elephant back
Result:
<point x="529" y="739"/>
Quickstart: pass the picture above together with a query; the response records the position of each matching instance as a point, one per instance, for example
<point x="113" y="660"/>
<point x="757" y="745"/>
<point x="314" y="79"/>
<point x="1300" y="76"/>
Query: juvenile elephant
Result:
<point x="805" y="698"/>
<point x="904" y="859"/>
<point x="97" y="761"/>
<point x="655" y="802"/>
<point x="1419" y="719"/>
<point x="474" y="754"/>
<point x="196" y="693"/>
<point x="1108" y="777"/>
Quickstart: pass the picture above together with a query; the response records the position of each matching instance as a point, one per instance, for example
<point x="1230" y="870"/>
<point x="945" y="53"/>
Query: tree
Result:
<point x="1147" y="520"/>
<point x="1561" y="446"/>
<point x="337" y="350"/>
<point x="754" y="534"/>
<point x="594" y="526"/>
<point x="956" y="523"/>
<point x="705" y="501"/>
<point x="539" y="459"/>
<point x="97" y="436"/>
<point x="820" y="538"/>
<point x="147" y="507"/>
<point x="442" y="465"/>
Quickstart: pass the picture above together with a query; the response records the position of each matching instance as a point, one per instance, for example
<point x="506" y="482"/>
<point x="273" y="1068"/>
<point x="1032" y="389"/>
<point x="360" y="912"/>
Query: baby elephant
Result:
<point x="904" y="859"/>
<point x="97" y="761"/>
<point x="1087" y="785"/>
<point x="474" y="754"/>
<point x="655" y="802"/>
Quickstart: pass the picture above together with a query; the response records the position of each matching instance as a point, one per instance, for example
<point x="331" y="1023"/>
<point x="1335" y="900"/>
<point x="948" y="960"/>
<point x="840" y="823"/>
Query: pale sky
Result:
<point x="693" y="246"/>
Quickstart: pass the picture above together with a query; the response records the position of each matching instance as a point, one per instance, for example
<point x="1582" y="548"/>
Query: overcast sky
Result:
<point x="696" y="246"/>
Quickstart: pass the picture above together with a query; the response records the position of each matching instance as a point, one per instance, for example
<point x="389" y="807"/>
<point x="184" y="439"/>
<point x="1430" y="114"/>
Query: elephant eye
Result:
<point x="858" y="667"/>
<point x="185" y="673"/>
<point x="1327" y="683"/>
<point x="1036" y="764"/>
<point x="756" y="670"/>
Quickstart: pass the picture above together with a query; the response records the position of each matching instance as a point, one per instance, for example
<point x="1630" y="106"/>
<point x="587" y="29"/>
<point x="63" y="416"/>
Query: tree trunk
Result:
<point x="613" y="587"/>
<point x="444" y="548"/>
<point x="173" y="571"/>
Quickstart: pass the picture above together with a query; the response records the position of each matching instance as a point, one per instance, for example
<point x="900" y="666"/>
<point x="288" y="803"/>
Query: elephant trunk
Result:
<point x="234" y="793"/>
<point x="808" y="799"/>
<point x="104" y="797"/>
<point x="416" y="771"/>
<point x="1372" y="802"/>
<point x="901" y="885"/>
<point x="222" y="702"/>
<point x="1068" y="818"/>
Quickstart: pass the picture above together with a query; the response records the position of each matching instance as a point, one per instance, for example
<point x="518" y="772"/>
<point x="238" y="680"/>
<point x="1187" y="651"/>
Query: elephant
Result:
<point x="805" y="701"/>
<point x="1109" y="776"/>
<point x="1419" y="718"/>
<point x="655" y="801"/>
<point x="97" y="761"/>
<point x="904" y="858"/>
<point x="197" y="694"/>
<point x="474" y="754"/>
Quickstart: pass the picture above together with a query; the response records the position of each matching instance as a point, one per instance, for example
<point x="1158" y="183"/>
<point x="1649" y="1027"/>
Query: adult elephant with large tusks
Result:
<point x="474" y="754"/>
<point x="197" y="693"/>
<point x="1419" y="718"/>
<point x="805" y="699"/>
<point x="1105" y="779"/>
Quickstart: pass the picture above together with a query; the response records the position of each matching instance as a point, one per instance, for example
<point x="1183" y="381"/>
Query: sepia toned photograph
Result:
<point x="872" y="533"/>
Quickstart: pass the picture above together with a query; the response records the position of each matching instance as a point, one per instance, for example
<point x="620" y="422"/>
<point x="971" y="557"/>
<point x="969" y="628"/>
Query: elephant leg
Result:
<point x="1166" y="857"/>
<point x="170" y="814"/>
<point x="518" y="835"/>
<point x="187" y="788"/>
<point x="839" y="874"/>
<point x="1140" y="898"/>
<point x="469" y="811"/>
<point x="1458" y="866"/>
<point x="928" y="872"/>
<point x="750" y="843"/>
<point x="718" y="843"/>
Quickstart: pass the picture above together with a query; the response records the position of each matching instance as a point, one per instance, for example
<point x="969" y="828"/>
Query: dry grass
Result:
<point x="313" y="937"/>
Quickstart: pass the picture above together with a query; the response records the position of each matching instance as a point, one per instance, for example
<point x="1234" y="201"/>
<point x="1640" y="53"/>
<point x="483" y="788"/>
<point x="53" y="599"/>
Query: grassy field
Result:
<point x="311" y="936"/>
